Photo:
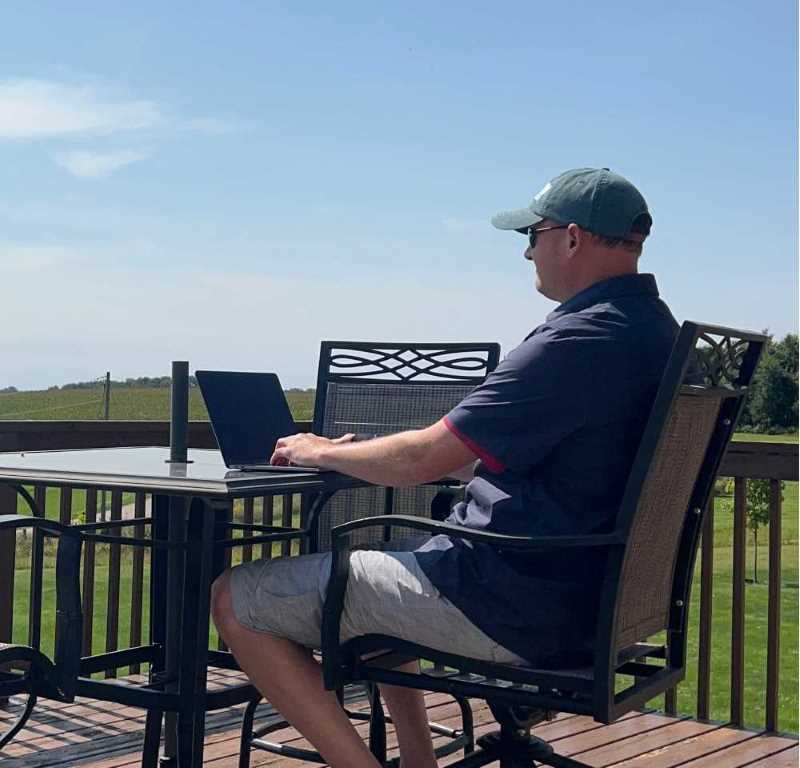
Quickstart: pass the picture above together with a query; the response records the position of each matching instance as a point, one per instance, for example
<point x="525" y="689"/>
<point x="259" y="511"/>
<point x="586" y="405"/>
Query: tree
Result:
<point x="772" y="403"/>
<point x="758" y="492"/>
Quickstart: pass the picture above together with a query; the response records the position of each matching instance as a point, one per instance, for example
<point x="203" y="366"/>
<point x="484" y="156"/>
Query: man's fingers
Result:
<point x="344" y="438"/>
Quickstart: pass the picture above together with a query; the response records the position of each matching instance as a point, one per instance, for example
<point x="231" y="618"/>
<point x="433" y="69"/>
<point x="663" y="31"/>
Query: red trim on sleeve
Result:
<point x="492" y="464"/>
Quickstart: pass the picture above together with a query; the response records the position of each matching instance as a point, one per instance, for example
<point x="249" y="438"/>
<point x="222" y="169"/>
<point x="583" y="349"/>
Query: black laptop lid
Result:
<point x="248" y="414"/>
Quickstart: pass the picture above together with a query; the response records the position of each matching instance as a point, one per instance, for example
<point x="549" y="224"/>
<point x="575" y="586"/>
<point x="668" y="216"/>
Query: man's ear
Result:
<point x="575" y="237"/>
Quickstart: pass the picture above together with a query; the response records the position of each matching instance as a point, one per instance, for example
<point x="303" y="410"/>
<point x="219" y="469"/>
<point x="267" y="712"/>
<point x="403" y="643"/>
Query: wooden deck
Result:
<point x="98" y="735"/>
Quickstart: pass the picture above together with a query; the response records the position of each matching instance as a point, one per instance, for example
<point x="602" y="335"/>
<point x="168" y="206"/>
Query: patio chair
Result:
<point x="25" y="669"/>
<point x="375" y="389"/>
<point x="646" y="580"/>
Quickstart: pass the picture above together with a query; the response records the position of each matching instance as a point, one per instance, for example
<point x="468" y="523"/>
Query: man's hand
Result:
<point x="400" y="460"/>
<point x="304" y="449"/>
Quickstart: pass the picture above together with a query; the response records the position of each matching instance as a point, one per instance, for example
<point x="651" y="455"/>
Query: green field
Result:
<point x="127" y="403"/>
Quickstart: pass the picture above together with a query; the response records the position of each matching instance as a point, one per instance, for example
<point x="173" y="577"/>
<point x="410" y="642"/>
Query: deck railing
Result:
<point x="744" y="461"/>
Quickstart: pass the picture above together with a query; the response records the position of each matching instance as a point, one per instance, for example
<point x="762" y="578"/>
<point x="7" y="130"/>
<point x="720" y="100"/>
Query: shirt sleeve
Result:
<point x="528" y="404"/>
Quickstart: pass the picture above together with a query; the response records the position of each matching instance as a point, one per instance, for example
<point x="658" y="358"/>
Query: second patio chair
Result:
<point x="25" y="669"/>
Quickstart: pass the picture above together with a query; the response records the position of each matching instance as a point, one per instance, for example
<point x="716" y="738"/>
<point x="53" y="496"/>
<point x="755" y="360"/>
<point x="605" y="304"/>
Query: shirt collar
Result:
<point x="613" y="288"/>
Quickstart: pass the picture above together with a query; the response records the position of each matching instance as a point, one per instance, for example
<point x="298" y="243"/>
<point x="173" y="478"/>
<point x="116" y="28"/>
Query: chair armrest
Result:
<point x="12" y="522"/>
<point x="335" y="664"/>
<point x="469" y="534"/>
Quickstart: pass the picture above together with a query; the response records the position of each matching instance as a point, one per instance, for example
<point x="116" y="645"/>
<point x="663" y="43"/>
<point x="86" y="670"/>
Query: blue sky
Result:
<point x="232" y="183"/>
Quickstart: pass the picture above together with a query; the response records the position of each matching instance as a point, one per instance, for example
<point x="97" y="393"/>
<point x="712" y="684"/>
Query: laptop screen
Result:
<point x="248" y="413"/>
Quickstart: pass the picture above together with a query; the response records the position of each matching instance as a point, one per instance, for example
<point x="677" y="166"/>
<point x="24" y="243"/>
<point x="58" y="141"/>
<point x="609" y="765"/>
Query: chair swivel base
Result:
<point x="519" y="751"/>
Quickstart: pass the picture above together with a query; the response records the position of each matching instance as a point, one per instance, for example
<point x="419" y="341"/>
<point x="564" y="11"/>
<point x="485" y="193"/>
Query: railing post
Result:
<point x="737" y="622"/>
<point x="112" y="610"/>
<point x="90" y="516"/>
<point x="37" y="572"/>
<point x="247" y="517"/>
<point x="706" y="599"/>
<point x="8" y="546"/>
<point x="774" y="606"/>
<point x="137" y="579"/>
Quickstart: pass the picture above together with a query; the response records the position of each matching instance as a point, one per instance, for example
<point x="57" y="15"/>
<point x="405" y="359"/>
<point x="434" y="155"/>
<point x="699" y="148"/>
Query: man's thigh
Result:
<point x="387" y="593"/>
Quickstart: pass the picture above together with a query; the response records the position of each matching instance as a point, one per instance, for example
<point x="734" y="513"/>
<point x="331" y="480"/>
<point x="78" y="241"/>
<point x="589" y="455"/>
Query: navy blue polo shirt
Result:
<point x="556" y="427"/>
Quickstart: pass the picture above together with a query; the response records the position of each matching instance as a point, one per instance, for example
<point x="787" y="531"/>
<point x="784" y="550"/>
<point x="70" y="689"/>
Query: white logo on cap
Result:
<point x="545" y="189"/>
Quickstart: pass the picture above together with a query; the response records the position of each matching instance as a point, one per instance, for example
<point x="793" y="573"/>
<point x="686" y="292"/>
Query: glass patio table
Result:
<point x="190" y="503"/>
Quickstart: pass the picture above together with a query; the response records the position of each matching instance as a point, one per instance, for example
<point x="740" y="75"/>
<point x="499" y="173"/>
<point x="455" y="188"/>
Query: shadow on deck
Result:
<point x="96" y="735"/>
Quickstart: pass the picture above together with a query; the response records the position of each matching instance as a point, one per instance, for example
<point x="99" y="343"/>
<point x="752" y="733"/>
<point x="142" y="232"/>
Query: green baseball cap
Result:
<point x="595" y="199"/>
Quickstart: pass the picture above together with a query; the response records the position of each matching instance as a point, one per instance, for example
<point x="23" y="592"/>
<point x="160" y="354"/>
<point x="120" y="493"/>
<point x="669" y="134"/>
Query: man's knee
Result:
<point x="221" y="600"/>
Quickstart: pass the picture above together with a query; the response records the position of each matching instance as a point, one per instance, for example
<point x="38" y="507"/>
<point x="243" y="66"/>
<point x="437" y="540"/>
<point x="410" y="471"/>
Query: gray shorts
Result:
<point x="387" y="593"/>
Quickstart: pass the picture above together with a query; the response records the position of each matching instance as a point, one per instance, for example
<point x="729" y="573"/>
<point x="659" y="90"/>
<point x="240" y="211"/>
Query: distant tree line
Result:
<point x="771" y="406"/>
<point x="151" y="382"/>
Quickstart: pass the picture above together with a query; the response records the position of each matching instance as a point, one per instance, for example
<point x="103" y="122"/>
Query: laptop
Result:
<point x="248" y="413"/>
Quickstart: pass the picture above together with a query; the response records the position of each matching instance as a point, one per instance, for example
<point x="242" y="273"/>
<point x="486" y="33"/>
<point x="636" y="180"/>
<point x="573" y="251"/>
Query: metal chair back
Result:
<point x="647" y="583"/>
<point x="378" y="389"/>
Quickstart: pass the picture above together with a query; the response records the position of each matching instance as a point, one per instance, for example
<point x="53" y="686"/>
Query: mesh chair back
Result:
<point x="691" y="423"/>
<point x="649" y="566"/>
<point x="380" y="389"/>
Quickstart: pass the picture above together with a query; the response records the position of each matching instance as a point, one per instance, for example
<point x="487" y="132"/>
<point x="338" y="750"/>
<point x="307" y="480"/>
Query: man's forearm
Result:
<point x="407" y="458"/>
<point x="396" y="460"/>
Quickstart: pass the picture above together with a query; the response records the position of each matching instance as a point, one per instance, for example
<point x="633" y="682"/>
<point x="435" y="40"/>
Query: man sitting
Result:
<point x="548" y="441"/>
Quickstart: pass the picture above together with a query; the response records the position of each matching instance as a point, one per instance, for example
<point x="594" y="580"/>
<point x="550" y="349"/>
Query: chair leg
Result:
<point x="245" y="742"/>
<point x="468" y="724"/>
<point x="20" y="723"/>
<point x="377" y="724"/>
<point x="152" y="738"/>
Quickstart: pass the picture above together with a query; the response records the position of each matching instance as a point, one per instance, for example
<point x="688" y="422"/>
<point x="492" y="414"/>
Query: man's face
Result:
<point x="548" y="258"/>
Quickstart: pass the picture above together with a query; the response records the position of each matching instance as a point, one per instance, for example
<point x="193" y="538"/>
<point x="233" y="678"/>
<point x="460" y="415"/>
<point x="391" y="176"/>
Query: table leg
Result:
<point x="174" y="591"/>
<point x="194" y="633"/>
<point x="158" y="622"/>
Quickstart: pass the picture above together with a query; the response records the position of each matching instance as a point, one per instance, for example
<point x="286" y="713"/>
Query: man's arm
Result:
<point x="407" y="458"/>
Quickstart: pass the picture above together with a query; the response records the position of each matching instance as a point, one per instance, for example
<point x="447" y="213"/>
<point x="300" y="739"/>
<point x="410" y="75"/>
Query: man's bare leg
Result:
<point x="290" y="679"/>
<point x="407" y="708"/>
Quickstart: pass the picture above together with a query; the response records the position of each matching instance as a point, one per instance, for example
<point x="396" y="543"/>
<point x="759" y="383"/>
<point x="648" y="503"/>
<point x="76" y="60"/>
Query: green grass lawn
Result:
<point x="755" y="621"/>
<point x="788" y="437"/>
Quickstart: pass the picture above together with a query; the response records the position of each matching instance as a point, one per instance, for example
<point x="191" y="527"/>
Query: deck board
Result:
<point x="95" y="735"/>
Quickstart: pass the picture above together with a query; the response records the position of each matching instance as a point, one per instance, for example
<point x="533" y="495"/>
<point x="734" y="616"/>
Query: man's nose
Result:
<point x="528" y="253"/>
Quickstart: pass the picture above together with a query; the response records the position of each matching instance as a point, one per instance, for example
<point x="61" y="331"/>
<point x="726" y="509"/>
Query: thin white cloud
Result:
<point x="41" y="109"/>
<point x="97" y="165"/>
<point x="46" y="110"/>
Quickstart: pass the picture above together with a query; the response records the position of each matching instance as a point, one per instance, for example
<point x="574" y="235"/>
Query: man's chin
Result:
<point x="540" y="288"/>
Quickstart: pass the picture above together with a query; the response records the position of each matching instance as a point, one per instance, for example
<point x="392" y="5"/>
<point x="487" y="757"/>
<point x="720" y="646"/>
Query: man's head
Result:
<point x="584" y="226"/>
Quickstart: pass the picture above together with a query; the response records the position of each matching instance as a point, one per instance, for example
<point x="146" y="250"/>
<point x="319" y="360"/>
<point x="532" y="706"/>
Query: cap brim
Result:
<point x="519" y="220"/>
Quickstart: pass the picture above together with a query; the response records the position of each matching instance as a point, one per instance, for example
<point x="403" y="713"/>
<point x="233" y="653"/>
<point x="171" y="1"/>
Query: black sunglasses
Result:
<point x="533" y="232"/>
